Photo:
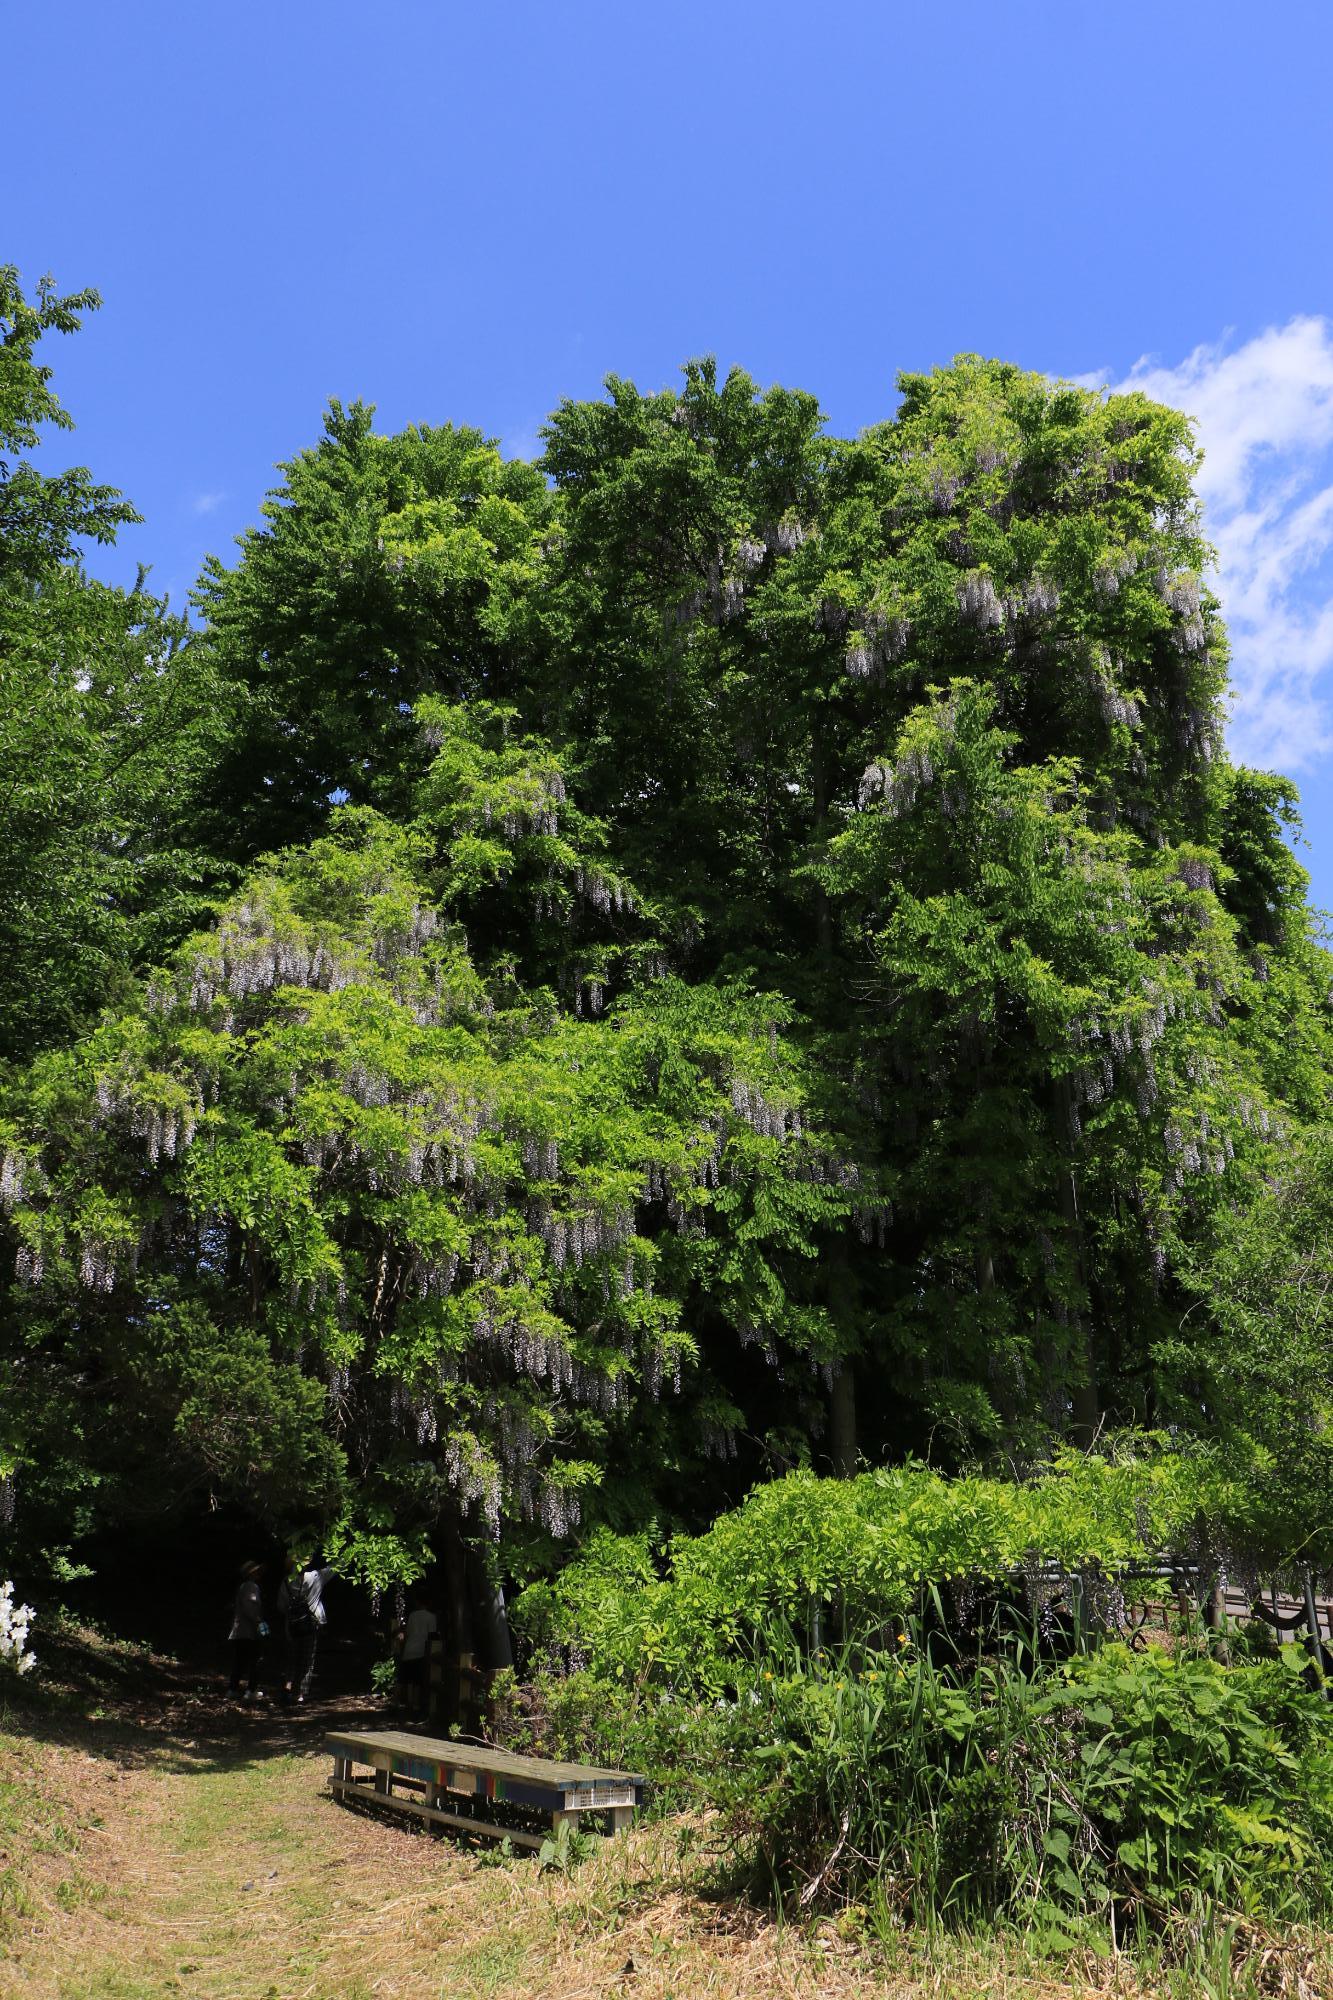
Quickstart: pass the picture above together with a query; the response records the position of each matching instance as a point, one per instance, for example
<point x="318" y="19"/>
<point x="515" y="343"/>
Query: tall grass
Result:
<point x="1141" y="1795"/>
<point x="1163" y="1804"/>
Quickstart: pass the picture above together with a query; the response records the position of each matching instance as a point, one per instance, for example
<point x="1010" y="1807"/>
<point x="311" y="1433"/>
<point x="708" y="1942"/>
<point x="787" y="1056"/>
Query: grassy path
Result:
<point x="155" y="1843"/>
<point x="233" y="1876"/>
<point x="228" y="1874"/>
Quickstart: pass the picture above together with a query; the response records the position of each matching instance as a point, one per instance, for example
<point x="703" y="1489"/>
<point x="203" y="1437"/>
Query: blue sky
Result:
<point x="468" y="212"/>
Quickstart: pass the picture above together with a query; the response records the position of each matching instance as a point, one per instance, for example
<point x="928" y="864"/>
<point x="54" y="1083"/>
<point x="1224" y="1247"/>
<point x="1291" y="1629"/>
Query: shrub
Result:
<point x="1133" y="1790"/>
<point x="15" y="1623"/>
<point x="879" y="1550"/>
<point x="675" y="1742"/>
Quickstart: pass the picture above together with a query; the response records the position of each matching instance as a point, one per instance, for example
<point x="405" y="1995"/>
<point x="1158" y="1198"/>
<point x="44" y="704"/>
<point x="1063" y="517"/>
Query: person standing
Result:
<point x="248" y="1630"/>
<point x="301" y="1602"/>
<point x="415" y="1636"/>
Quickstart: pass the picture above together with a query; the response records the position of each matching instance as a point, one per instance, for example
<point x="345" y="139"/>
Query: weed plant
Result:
<point x="1135" y="1791"/>
<point x="1159" y="1802"/>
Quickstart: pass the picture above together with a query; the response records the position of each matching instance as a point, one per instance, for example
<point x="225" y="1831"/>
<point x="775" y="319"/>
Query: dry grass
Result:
<point x="226" y="1871"/>
<point x="179" y="1849"/>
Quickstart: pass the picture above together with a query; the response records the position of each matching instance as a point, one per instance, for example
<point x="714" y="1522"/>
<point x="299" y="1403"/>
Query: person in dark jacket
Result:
<point x="248" y="1632"/>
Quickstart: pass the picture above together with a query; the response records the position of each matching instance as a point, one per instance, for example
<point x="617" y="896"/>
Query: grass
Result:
<point x="168" y="1847"/>
<point x="237" y="1879"/>
<point x="37" y="1840"/>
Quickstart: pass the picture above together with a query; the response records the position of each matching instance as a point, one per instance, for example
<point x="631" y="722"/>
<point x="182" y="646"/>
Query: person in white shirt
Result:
<point x="414" y="1640"/>
<point x="301" y="1606"/>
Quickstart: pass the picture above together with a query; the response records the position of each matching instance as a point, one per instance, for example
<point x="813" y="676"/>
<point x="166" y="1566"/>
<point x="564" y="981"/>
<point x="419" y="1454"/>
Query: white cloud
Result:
<point x="1264" y="414"/>
<point x="527" y="444"/>
<point x="204" y="503"/>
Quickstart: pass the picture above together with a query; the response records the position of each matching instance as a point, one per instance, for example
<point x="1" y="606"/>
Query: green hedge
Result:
<point x="878" y="1546"/>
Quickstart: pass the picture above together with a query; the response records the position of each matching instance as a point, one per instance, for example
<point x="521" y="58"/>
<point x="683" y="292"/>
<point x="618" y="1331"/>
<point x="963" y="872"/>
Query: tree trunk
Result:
<point x="842" y="1420"/>
<point x="459" y="1636"/>
<point x="1084" y="1396"/>
<point x="489" y="1614"/>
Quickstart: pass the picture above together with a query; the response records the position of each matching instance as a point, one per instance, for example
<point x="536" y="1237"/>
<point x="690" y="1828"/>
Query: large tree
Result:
<point x="907" y="750"/>
<point x="103" y="723"/>
<point x="726" y="619"/>
<point x="988" y="907"/>
<point x="357" y="1224"/>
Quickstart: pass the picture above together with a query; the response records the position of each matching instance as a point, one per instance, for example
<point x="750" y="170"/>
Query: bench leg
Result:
<point x="381" y="1781"/>
<point x="342" y="1769"/>
<point x="622" y="1819"/>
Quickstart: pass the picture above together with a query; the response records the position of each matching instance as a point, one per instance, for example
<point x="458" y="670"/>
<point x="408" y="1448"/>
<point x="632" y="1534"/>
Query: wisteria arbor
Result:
<point x="386" y="1240"/>
<point x="724" y="906"/>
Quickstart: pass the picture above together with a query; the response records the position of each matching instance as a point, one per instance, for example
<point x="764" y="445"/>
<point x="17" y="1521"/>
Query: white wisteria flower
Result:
<point x="16" y="1620"/>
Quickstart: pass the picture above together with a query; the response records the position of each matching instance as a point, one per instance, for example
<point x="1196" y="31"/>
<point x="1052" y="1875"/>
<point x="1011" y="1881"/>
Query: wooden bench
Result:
<point x="419" y="1774"/>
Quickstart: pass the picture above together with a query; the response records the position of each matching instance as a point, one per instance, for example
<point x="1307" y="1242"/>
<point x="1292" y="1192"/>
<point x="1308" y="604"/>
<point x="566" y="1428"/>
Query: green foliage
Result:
<point x="725" y="950"/>
<point x="1129" y="1791"/>
<point x="565" y="1848"/>
<point x="677" y="1741"/>
<point x="374" y="1231"/>
<point x="1258" y="1347"/>
<point x="41" y="518"/>
<point x="1083" y="995"/>
<point x="103" y="723"/>
<point x="920" y="733"/>
<point x="1149" y="1798"/>
<point x="898" y="1549"/>
<point x="927" y="729"/>
<point x="383" y="1675"/>
<point x="386" y="569"/>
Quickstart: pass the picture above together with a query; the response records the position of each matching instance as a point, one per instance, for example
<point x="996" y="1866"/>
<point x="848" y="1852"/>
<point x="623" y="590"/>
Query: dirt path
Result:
<point x="225" y="1871"/>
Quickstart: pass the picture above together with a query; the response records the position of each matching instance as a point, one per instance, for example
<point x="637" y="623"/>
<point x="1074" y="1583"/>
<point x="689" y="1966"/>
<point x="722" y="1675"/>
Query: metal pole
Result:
<point x="1312" y="1620"/>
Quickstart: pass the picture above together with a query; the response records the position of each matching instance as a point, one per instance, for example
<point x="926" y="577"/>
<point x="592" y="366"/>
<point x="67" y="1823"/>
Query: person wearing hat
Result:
<point x="247" y="1630"/>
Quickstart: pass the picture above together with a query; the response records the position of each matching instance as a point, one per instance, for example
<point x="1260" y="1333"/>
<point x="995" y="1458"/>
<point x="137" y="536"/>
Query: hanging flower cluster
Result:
<point x="897" y="784"/>
<point x="1115" y="706"/>
<point x="787" y="535"/>
<point x="605" y="891"/>
<point x="979" y="601"/>
<point x="1180" y="593"/>
<point x="880" y="642"/>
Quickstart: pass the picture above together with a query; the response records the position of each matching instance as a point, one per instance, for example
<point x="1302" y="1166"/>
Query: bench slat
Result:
<point x="356" y="1788"/>
<point x="591" y="1784"/>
